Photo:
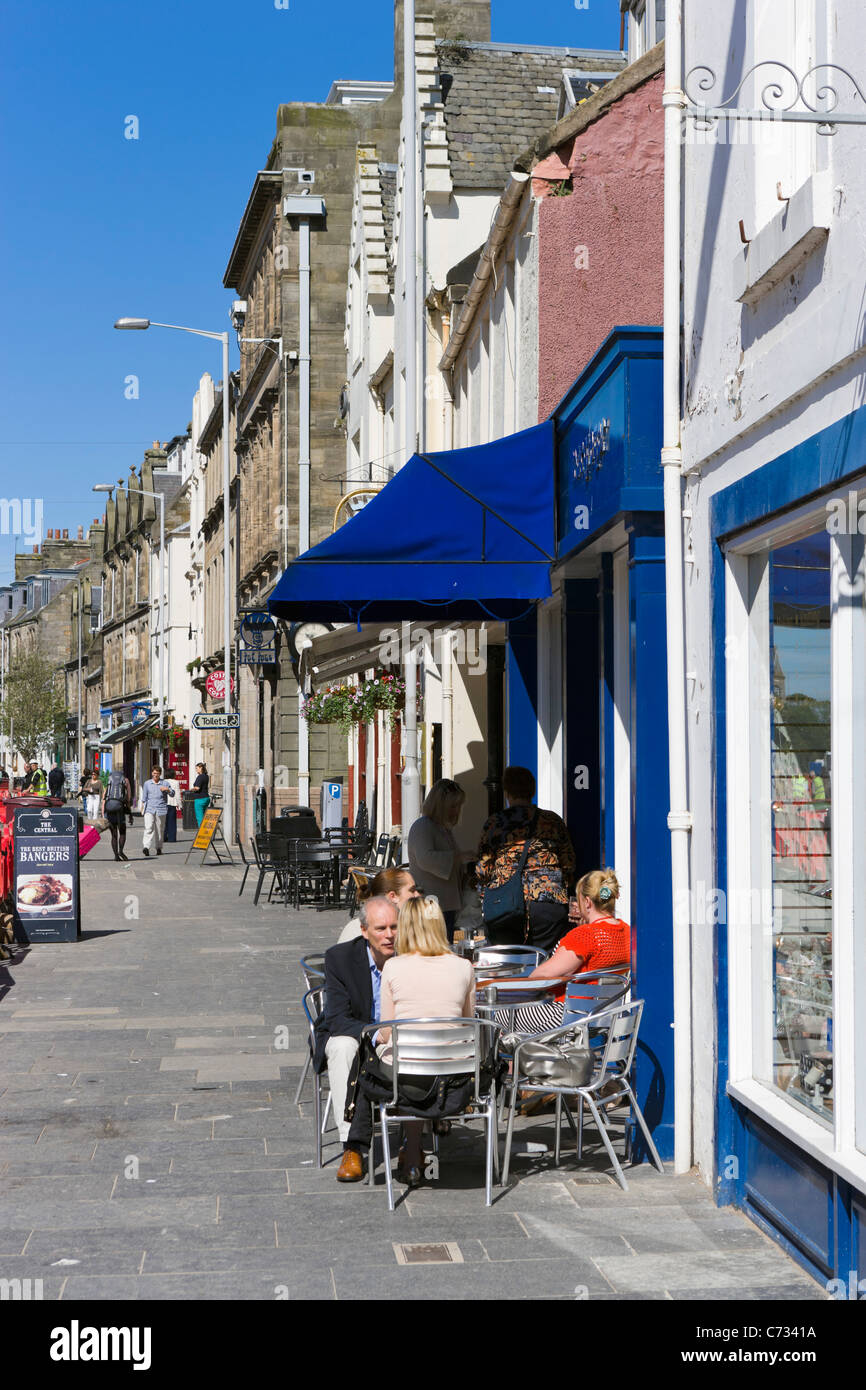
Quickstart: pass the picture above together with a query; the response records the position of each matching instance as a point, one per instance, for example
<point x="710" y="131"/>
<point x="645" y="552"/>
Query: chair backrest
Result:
<point x="313" y="967"/>
<point x="620" y="1025"/>
<point x="314" y="1006"/>
<point x="256" y="856"/>
<point x="361" y="820"/>
<point x="518" y="956"/>
<point x="381" y="850"/>
<point x="393" y="856"/>
<point x="440" y="1047"/>
<point x="595" y="990"/>
<point x="272" y="848"/>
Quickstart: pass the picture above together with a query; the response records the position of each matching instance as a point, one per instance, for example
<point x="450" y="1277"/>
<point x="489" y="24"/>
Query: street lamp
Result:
<point x="140" y="324"/>
<point x="142" y="492"/>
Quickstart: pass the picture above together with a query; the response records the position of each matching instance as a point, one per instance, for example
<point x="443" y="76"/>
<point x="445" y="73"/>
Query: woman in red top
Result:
<point x="601" y="942"/>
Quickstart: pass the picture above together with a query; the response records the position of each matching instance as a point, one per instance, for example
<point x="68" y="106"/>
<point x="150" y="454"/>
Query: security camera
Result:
<point x="306" y="176"/>
<point x="293" y="355"/>
<point x="238" y="314"/>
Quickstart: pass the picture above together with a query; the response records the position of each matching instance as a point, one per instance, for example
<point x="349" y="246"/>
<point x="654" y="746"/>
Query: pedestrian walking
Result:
<point x="91" y="787"/>
<point x="201" y="787"/>
<point x="535" y="845"/>
<point x="154" y="806"/>
<point x="56" y="779"/>
<point x="434" y="858"/>
<point x="116" y="807"/>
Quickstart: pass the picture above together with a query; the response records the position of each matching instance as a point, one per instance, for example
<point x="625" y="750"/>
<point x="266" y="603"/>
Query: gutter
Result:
<point x="503" y="221"/>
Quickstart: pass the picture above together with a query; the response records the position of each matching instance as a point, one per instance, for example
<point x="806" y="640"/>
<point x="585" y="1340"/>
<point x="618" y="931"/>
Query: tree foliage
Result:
<point x="33" y="713"/>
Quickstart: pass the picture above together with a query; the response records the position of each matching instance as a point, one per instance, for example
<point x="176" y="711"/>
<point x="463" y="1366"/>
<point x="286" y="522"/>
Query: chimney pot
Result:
<point x="66" y="533"/>
<point x="81" y="533"/>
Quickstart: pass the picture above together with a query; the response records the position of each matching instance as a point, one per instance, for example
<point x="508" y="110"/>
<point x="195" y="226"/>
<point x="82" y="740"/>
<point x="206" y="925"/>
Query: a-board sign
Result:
<point x="45" y="891"/>
<point x="229" y="720"/>
<point x="206" y="831"/>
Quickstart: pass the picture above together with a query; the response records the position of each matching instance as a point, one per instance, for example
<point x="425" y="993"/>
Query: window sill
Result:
<point x="788" y="239"/>
<point x="799" y="1129"/>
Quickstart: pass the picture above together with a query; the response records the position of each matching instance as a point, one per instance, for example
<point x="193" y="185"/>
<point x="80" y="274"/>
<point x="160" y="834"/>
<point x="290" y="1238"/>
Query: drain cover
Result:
<point x="447" y="1253"/>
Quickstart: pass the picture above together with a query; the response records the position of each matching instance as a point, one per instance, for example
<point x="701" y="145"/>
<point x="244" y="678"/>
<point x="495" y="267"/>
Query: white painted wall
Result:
<point x="758" y="379"/>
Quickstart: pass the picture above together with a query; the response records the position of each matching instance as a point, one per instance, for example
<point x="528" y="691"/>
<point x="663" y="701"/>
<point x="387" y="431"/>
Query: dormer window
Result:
<point x="645" y="25"/>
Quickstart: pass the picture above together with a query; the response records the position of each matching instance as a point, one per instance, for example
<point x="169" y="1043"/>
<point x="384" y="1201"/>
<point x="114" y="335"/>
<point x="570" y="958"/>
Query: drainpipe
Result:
<point x="679" y="819"/>
<point x="448" y="705"/>
<point x="301" y="209"/>
<point x="410" y="780"/>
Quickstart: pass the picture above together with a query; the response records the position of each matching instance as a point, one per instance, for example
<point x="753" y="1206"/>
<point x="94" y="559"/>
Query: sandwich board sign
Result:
<point x="45" y="891"/>
<point x="209" y="832"/>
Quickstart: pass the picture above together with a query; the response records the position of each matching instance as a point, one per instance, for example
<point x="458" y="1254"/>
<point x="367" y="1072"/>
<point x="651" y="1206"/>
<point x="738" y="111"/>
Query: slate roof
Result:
<point x="493" y="108"/>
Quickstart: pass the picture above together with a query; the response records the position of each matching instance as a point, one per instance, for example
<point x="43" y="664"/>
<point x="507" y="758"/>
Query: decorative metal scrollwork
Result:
<point x="781" y="94"/>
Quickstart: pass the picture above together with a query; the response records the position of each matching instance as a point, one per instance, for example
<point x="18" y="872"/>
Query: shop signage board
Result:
<point x="209" y="835"/>
<point x="215" y="685"/>
<point x="45" y="891"/>
<point x="231" y="720"/>
<point x="258" y="638"/>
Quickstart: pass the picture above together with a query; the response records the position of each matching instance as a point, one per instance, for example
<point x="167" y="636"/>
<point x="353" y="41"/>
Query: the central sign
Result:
<point x="232" y="720"/>
<point x="45" y="894"/>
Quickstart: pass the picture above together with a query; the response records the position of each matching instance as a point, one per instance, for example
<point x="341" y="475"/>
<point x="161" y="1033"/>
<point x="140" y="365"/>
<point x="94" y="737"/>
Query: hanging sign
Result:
<point x="45" y="891"/>
<point x="215" y="685"/>
<point x="259" y="639"/>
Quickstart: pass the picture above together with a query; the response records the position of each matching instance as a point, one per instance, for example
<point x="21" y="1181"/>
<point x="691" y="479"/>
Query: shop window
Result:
<point x="800" y="955"/>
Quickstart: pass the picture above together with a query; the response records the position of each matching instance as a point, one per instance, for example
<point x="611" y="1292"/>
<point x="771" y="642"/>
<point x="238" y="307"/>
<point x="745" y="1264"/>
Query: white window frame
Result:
<point x="551" y="743"/>
<point x="749" y="840"/>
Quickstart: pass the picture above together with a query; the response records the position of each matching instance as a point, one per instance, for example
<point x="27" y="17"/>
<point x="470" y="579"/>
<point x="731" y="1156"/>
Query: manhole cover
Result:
<point x="447" y="1253"/>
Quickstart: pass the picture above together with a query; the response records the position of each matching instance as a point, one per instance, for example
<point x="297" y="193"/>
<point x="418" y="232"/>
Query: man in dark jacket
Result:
<point x="56" y="778"/>
<point x="353" y="974"/>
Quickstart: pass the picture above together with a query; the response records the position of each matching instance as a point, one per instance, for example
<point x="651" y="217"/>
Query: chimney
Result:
<point x="36" y="550"/>
<point x="81" y="533"/>
<point x="66" y="533"/>
<point x="49" y="535"/>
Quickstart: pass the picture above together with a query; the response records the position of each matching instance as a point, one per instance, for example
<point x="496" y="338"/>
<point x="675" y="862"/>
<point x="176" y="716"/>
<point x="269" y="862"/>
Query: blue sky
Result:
<point x="97" y="226"/>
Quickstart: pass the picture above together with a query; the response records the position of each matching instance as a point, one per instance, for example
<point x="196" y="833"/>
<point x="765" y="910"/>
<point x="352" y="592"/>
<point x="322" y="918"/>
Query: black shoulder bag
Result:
<point x="504" y="908"/>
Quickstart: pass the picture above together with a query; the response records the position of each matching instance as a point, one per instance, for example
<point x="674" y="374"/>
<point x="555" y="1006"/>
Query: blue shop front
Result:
<point x="586" y="672"/>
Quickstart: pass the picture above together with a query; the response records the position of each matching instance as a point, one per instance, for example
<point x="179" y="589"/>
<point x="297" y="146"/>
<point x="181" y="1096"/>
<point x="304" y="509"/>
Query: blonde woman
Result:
<point x="423" y="980"/>
<point x="434" y="858"/>
<point x="601" y="942"/>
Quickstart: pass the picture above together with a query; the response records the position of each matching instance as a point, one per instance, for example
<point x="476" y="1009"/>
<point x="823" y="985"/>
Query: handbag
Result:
<point x="566" y="1064"/>
<point x="504" y="908"/>
<point x="372" y="1080"/>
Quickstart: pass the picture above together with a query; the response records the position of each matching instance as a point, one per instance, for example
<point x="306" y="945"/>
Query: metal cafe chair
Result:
<point x="311" y="873"/>
<point x="612" y="1065"/>
<point x="428" y="1047"/>
<point x="314" y="1004"/>
<point x="517" y="956"/>
<point x="313" y="968"/>
<point x="246" y="863"/>
<point x="273" y="858"/>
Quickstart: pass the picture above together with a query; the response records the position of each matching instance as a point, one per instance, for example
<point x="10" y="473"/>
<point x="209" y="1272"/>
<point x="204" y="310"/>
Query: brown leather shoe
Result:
<point x="352" y="1167"/>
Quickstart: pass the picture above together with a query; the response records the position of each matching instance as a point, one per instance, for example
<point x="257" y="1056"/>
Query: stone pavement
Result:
<point x="150" y="1149"/>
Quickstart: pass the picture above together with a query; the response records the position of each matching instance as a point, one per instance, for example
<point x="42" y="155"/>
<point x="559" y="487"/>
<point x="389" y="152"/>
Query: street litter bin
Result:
<point x="171" y="825"/>
<point x="188" y="811"/>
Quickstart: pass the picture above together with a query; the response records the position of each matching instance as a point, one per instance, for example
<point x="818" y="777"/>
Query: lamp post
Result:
<point x="223" y="338"/>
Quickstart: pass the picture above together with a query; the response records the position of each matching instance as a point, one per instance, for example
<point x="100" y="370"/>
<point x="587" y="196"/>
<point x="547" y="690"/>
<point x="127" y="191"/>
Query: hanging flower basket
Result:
<point x="348" y="705"/>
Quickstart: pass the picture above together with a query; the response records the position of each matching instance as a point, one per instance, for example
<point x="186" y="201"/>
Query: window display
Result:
<point x="800" y="789"/>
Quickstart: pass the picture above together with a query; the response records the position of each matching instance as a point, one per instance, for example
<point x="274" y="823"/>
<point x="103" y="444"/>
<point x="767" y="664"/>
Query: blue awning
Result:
<point x="468" y="533"/>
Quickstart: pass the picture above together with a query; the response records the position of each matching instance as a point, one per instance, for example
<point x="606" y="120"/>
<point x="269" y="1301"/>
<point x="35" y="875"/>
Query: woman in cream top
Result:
<point x="423" y="980"/>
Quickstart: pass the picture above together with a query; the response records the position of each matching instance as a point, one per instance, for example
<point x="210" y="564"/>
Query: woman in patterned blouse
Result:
<point x="550" y="864"/>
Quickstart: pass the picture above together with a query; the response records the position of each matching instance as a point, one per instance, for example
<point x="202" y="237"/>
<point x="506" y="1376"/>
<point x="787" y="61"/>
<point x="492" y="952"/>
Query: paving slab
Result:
<point x="150" y="1147"/>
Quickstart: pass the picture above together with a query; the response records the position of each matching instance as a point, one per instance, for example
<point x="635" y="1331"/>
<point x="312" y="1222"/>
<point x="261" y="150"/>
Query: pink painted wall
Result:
<point x="616" y="214"/>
